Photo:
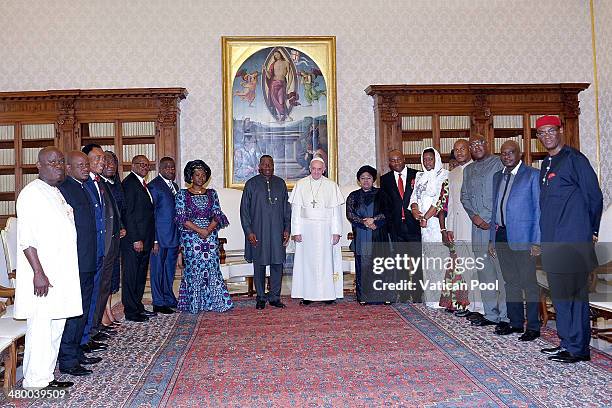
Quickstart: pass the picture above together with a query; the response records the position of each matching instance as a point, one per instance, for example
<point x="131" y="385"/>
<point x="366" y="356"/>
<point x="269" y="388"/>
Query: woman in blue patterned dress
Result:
<point x="199" y="217"/>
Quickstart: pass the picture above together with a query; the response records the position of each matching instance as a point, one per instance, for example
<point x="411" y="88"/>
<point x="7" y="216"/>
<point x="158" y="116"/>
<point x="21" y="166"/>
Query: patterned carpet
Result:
<point x="338" y="355"/>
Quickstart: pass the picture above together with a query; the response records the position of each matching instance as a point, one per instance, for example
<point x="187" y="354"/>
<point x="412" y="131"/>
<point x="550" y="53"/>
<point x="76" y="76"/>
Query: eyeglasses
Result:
<point x="477" y="143"/>
<point x="141" y="164"/>
<point x="550" y="131"/>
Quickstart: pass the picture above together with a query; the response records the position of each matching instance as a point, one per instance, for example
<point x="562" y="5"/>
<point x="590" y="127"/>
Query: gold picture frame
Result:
<point x="279" y="98"/>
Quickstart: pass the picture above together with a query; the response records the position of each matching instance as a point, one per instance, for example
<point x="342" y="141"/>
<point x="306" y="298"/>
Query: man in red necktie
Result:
<point x="404" y="230"/>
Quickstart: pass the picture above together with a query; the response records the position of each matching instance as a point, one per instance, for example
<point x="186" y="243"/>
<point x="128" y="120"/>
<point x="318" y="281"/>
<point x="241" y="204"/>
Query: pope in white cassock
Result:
<point x="316" y="224"/>
<point x="47" y="288"/>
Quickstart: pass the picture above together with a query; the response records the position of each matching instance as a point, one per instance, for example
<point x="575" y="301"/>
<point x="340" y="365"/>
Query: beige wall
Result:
<point x="603" y="36"/>
<point x="108" y="43"/>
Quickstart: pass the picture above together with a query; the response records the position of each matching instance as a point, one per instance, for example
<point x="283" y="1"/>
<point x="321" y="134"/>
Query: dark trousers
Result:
<point x="70" y="352"/>
<point x="519" y="272"/>
<point x="259" y="279"/>
<point x="93" y="300"/>
<point x="405" y="241"/>
<point x="568" y="266"/>
<point x="135" y="265"/>
<point x="163" y="268"/>
<point x="105" y="284"/>
<point x="570" y="297"/>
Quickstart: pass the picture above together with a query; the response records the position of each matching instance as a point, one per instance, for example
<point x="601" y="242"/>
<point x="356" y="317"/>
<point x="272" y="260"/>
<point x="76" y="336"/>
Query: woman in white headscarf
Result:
<point x="424" y="203"/>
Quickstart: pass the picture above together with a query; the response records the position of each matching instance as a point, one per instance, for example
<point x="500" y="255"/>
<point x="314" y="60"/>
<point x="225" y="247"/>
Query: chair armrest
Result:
<point x="7" y="292"/>
<point x="222" y="254"/>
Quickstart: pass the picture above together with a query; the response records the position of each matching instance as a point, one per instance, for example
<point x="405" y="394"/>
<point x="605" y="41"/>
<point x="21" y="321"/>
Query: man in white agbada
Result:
<point x="316" y="224"/>
<point x="47" y="289"/>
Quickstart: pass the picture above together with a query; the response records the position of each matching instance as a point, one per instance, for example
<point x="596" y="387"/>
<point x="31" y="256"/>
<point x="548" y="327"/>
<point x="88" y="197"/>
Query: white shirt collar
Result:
<point x="516" y="168"/>
<point x="139" y="178"/>
<point x="78" y="181"/>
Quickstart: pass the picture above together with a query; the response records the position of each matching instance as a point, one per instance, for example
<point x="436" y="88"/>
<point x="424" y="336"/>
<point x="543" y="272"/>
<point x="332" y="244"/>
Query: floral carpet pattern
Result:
<point x="330" y="355"/>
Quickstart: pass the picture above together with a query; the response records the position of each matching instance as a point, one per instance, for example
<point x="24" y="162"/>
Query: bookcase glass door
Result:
<point x="452" y="128"/>
<point x="125" y="139"/>
<point x="417" y="134"/>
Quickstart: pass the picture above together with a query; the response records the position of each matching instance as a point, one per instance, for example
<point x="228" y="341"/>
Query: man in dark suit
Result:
<point x="165" y="248"/>
<point x="95" y="188"/>
<point x="571" y="204"/>
<point x="404" y="229"/>
<point x="70" y="355"/>
<point x="113" y="231"/>
<point x="515" y="239"/>
<point x="137" y="244"/>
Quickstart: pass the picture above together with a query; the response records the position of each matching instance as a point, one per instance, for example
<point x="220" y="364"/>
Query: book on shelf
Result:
<point x="460" y="122"/>
<point x="30" y="155"/>
<point x="135" y="129"/>
<point x="416" y="123"/>
<point x="28" y="178"/>
<point x="537" y="147"/>
<point x="129" y="151"/>
<point x="106" y="129"/>
<point x="499" y="141"/>
<point x="38" y="131"/>
<point x="7" y="132"/>
<point x="7" y="207"/>
<point x="108" y="148"/>
<point x="508" y="122"/>
<point x="7" y="183"/>
<point x="7" y="157"/>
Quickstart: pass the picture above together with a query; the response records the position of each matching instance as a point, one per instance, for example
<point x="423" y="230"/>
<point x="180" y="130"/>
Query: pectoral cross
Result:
<point x="313" y="202"/>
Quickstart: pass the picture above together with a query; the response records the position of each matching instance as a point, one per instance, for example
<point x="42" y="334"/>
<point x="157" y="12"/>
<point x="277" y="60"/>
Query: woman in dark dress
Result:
<point x="365" y="211"/>
<point x="199" y="218"/>
<point x="111" y="174"/>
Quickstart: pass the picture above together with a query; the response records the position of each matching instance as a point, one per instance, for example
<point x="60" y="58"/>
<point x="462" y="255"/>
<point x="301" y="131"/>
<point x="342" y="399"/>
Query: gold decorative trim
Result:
<point x="235" y="50"/>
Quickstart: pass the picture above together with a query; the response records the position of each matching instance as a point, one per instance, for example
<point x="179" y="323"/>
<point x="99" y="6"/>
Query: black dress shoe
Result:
<point x="529" y="335"/>
<point x="330" y="302"/>
<point x="149" y="314"/>
<point x="137" y="318"/>
<point x="567" y="357"/>
<point x="305" y="302"/>
<point x="472" y="316"/>
<point x="504" y="330"/>
<point x="90" y="360"/>
<point x="260" y="305"/>
<point x="59" y="384"/>
<point x="93" y="347"/>
<point x="552" y="351"/>
<point x="462" y="313"/>
<point x="483" y="322"/>
<point x="162" y="309"/>
<point x="108" y="330"/>
<point x="278" y="303"/>
<point x="77" y="371"/>
<point x="101" y="336"/>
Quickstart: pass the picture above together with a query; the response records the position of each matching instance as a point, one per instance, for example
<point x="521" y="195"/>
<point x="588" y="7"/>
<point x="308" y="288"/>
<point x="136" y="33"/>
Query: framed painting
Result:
<point x="279" y="98"/>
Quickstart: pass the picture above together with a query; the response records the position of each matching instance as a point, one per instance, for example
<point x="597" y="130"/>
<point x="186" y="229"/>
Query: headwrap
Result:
<point x="367" y="169"/>
<point x="548" y="120"/>
<point x="433" y="178"/>
<point x="192" y="166"/>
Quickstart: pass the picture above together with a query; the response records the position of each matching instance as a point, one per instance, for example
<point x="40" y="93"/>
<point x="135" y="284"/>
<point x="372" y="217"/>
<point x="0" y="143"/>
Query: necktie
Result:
<point x="400" y="188"/>
<point x="144" y="184"/>
<point x="100" y="191"/>
<point x="501" y="202"/>
<point x="171" y="185"/>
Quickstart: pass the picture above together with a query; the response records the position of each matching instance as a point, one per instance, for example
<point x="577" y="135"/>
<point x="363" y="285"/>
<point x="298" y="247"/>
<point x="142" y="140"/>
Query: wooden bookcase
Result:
<point x="412" y="117"/>
<point x="126" y="121"/>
